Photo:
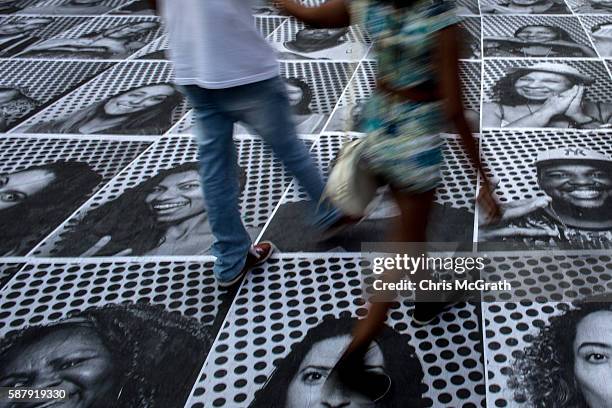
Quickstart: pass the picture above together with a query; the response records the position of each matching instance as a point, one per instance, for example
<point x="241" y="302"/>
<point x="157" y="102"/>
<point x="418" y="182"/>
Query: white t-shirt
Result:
<point x="215" y="44"/>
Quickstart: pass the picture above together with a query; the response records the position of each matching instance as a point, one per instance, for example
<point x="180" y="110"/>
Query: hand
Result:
<point x="98" y="246"/>
<point x="490" y="212"/>
<point x="514" y="209"/>
<point x="575" y="110"/>
<point x="558" y="104"/>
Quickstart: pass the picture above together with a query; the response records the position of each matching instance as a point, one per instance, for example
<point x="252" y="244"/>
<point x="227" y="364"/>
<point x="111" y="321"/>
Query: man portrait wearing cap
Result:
<point x="545" y="95"/>
<point x="576" y="211"/>
<point x="323" y="43"/>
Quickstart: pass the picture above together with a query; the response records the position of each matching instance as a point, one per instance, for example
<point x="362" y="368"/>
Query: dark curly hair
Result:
<point x="543" y="373"/>
<point x="157" y="355"/>
<point x="303" y="106"/>
<point x="400" y="362"/>
<point x="27" y="222"/>
<point x="128" y="220"/>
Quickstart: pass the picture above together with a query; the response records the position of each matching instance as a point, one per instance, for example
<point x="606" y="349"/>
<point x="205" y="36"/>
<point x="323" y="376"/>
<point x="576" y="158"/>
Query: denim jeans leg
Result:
<point x="220" y="181"/>
<point x="270" y="116"/>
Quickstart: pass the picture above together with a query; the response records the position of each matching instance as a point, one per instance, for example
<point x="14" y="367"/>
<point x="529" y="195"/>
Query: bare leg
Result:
<point x="415" y="209"/>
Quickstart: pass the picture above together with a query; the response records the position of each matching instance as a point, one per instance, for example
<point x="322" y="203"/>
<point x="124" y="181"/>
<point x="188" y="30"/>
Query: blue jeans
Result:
<point x="264" y="107"/>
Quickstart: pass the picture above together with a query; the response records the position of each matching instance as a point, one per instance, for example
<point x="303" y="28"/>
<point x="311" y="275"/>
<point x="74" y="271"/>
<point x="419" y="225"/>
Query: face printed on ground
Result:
<point x="69" y="358"/>
<point x="24" y="26"/>
<point x="17" y="187"/>
<point x="537" y="34"/>
<point x="310" y="37"/>
<point x="539" y="86"/>
<point x="579" y="185"/>
<point x="593" y="359"/>
<point x="295" y="94"/>
<point x="307" y="389"/>
<point x="137" y="100"/>
<point x="131" y="30"/>
<point x="177" y="197"/>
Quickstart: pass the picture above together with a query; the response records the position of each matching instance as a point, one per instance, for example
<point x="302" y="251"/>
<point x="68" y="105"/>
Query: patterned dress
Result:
<point x="403" y="145"/>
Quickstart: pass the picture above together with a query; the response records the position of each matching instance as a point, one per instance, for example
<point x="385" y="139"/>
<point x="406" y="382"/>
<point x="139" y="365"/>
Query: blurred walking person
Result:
<point x="418" y="92"/>
<point x="230" y="74"/>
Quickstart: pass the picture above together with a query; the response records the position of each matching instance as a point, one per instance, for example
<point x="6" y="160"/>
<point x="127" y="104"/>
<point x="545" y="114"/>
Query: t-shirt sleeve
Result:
<point x="441" y="15"/>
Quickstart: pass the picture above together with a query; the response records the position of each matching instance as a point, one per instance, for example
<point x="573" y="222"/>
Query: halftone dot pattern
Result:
<point x="45" y="81"/>
<point x="110" y="3"/>
<point x="599" y="91"/>
<point x="160" y="44"/>
<point x="105" y="157"/>
<point x="281" y="301"/>
<point x="266" y="181"/>
<point x="458" y="185"/>
<point x="469" y="76"/>
<point x="43" y="293"/>
<point x="54" y="28"/>
<point x="467" y="7"/>
<point x="509" y="156"/>
<point x="327" y="80"/>
<point x="506" y="26"/>
<point x="472" y="26"/>
<point x="122" y="76"/>
<point x="267" y="25"/>
<point x="7" y="270"/>
<point x="485" y="3"/>
<point x="184" y="126"/>
<point x="547" y="277"/>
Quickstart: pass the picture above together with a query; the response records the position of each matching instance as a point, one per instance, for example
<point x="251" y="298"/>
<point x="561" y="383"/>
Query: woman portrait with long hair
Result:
<point x="121" y="356"/>
<point x="111" y="43"/>
<point x="39" y="198"/>
<point x="545" y="95"/>
<point x="537" y="41"/>
<point x="298" y="379"/>
<point x="164" y="215"/>
<point x="568" y="364"/>
<point x="142" y="110"/>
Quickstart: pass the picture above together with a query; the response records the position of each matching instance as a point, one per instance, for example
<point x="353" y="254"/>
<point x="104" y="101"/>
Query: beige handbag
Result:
<point x="351" y="187"/>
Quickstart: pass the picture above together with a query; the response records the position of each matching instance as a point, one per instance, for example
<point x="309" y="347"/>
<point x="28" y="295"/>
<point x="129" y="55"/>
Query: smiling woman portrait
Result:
<point x="545" y="95"/>
<point x="568" y="364"/>
<point x="142" y="110"/>
<point x="121" y="356"/>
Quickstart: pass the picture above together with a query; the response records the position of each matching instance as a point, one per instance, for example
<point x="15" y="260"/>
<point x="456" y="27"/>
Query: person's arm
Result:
<point x="447" y="59"/>
<point x="332" y="14"/>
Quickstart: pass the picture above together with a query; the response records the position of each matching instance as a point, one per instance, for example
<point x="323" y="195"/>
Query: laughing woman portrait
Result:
<point x="545" y="95"/>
